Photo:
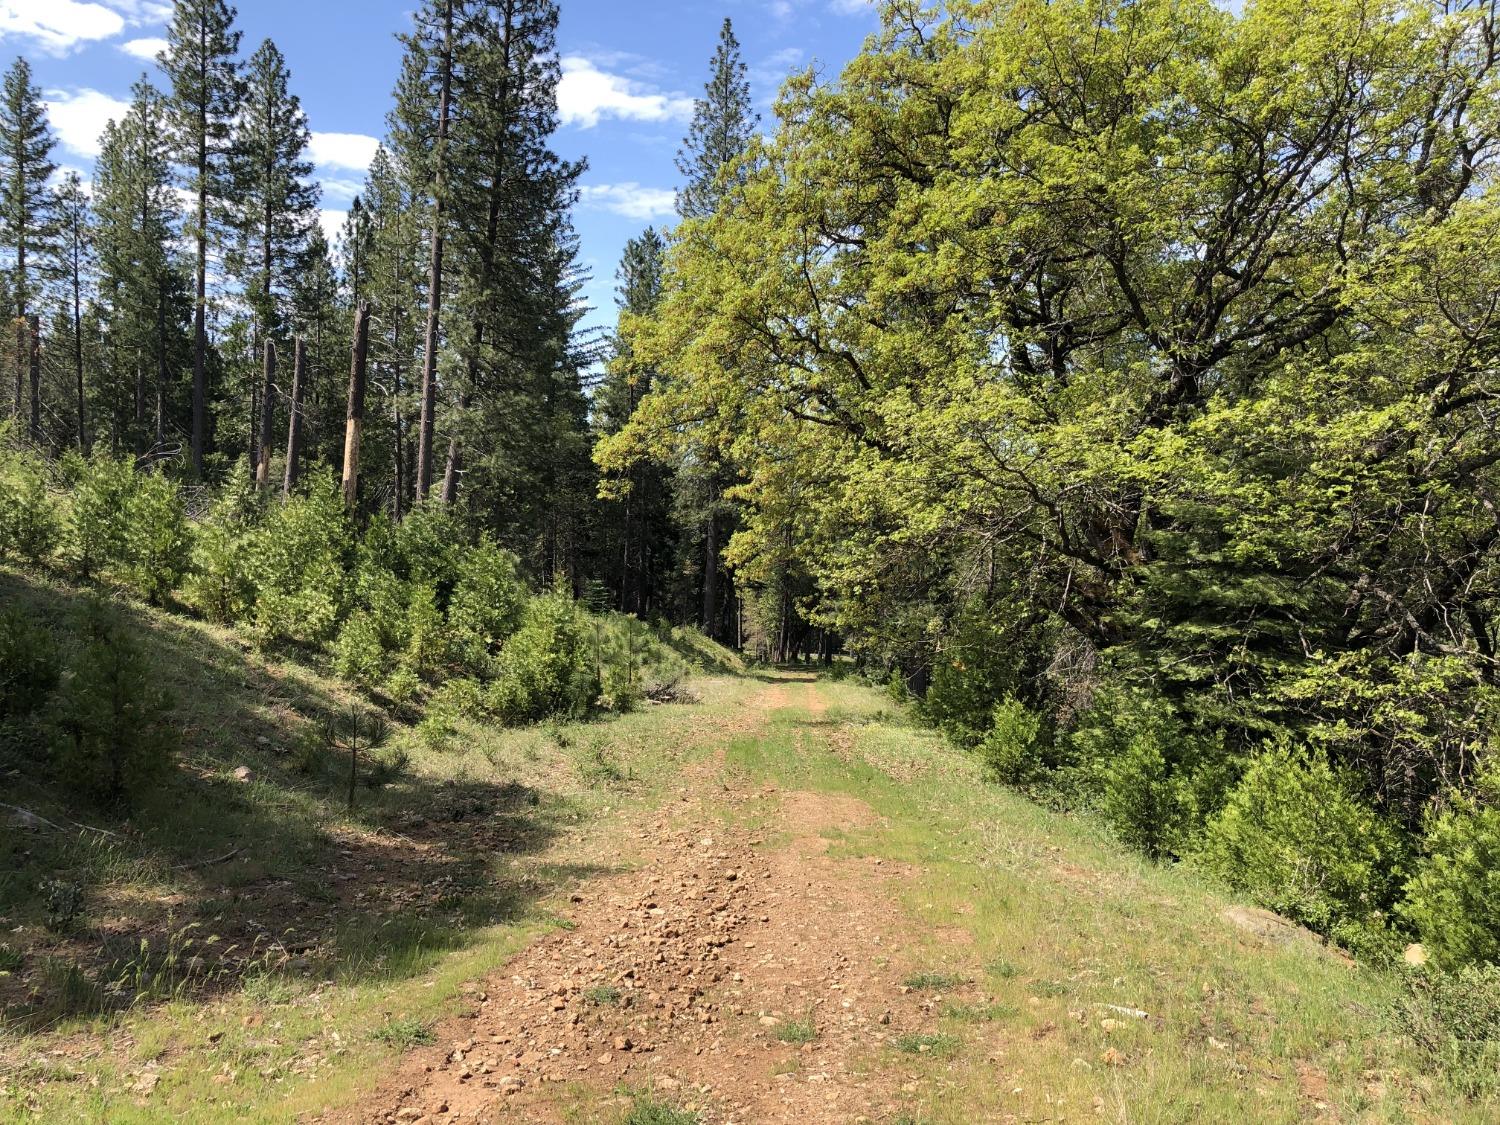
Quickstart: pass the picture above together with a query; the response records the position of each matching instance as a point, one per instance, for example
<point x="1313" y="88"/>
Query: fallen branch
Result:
<point x="27" y="813"/>
<point x="207" y="862"/>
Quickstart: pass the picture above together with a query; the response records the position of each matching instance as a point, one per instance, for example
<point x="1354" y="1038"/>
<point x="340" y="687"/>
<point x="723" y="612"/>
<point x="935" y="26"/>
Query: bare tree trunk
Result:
<point x="200" y="303"/>
<point x="711" y="577"/>
<point x="20" y="368"/>
<point x="294" y="426"/>
<point x="34" y="362"/>
<point x="356" y="416"/>
<point x="83" y="422"/>
<point x="435" y="271"/>
<point x="455" y="467"/>
<point x="267" y="417"/>
<point x="161" y="371"/>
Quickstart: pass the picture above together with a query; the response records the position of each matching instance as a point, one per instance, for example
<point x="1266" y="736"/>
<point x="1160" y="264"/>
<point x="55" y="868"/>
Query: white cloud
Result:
<point x="332" y="223"/>
<point x="586" y="95"/>
<point x="851" y="7"/>
<point x="629" y="199"/>
<point x="79" y="117"/>
<point x="343" y="150"/>
<point x="59" y="25"/>
<point x="144" y="49"/>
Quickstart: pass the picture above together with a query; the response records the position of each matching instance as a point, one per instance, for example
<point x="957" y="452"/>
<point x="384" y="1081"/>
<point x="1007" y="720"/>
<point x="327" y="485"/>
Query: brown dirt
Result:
<point x="680" y="977"/>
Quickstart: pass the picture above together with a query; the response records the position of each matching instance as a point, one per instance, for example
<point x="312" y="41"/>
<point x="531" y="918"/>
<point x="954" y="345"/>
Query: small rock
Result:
<point x="243" y="774"/>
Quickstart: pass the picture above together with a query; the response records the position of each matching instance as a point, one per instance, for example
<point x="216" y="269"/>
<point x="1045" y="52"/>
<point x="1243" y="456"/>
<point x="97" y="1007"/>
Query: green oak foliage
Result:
<point x="1173" y="326"/>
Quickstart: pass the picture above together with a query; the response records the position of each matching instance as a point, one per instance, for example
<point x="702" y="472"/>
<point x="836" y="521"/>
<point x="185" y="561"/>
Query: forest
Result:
<point x="1112" y="385"/>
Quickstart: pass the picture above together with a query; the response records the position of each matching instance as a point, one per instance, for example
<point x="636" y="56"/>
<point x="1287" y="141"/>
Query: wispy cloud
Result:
<point x="79" y="116"/>
<point x="332" y="222"/>
<point x="629" y="199"/>
<point x="352" y="151"/>
<point x="587" y="95"/>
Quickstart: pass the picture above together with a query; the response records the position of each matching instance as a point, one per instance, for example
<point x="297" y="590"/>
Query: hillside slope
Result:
<point x="782" y="902"/>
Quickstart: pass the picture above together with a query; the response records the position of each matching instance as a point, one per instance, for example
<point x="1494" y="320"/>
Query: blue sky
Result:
<point x="631" y="72"/>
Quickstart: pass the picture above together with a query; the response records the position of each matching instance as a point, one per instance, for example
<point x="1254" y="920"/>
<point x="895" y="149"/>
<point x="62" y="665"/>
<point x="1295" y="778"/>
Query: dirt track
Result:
<point x="690" y="974"/>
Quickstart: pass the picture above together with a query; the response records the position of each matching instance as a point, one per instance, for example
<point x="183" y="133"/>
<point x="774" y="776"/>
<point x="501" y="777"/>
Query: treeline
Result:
<point x="1121" y="378"/>
<point x="186" y="308"/>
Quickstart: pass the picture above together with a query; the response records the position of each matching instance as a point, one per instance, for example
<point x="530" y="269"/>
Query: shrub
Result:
<point x="544" y="667"/>
<point x="111" y="730"/>
<point x="426" y="633"/>
<point x="1454" y="1019"/>
<point x="98" y="518"/>
<point x="1011" y="751"/>
<point x="130" y="524"/>
<point x="29" y="527"/>
<point x="219" y="584"/>
<point x="29" y="665"/>
<point x="487" y="605"/>
<point x="297" y="561"/>
<point x="1155" y="781"/>
<point x="986" y="656"/>
<point x="1296" y="837"/>
<point x="158" y="549"/>
<point x="1453" y="901"/>
<point x="359" y="655"/>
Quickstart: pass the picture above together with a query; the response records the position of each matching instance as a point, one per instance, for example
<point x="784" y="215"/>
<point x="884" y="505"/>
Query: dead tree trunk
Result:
<point x="267" y="418"/>
<point x="356" y="417"/>
<point x="294" y="425"/>
<point x="435" y="271"/>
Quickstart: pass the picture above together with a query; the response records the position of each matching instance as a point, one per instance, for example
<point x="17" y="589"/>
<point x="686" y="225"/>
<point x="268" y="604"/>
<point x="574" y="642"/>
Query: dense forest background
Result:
<point x="1117" y="380"/>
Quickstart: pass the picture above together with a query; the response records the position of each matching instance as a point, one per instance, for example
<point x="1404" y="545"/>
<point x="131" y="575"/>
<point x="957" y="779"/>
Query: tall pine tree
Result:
<point x="143" y="288"/>
<point x="723" y="126"/>
<point x="200" y="63"/>
<point x="75" y="263"/>
<point x="638" y="534"/>
<point x="26" y="218"/>
<point x="276" y="210"/>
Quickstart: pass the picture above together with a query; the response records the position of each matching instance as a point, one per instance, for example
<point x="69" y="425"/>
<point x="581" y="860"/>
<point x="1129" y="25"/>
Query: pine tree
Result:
<point x="200" y="63"/>
<point x="276" y="210"/>
<point x="638" y="532"/>
<point x="421" y="125"/>
<point x="144" y="292"/>
<point x="723" y="125"/>
<point x="26" y="219"/>
<point x="75" y="258"/>
<point x="392" y="271"/>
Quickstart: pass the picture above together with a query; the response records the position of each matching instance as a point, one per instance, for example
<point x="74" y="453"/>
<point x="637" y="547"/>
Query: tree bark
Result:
<point x="83" y="421"/>
<point x="435" y="269"/>
<point x="34" y="363"/>
<point x="356" y="415"/>
<point x="267" y="416"/>
<point x="294" y="425"/>
<point x="454" y="468"/>
<point x="711" y="577"/>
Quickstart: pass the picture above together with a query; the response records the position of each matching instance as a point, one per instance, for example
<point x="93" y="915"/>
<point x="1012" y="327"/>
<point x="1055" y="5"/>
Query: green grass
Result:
<point x="932" y="981"/>
<point x="604" y="995"/>
<point x="915" y="1043"/>
<point x="404" y="1034"/>
<point x="648" y="1109"/>
<point x="797" y="1031"/>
